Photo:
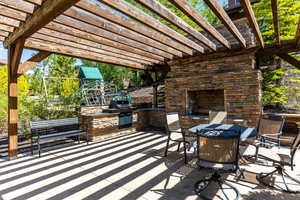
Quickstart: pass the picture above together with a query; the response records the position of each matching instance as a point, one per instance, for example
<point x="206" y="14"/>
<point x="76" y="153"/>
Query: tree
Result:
<point x="274" y="90"/>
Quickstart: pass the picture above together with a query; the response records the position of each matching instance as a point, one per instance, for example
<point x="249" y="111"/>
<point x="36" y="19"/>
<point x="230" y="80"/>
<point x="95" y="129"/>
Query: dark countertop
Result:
<point x="204" y="117"/>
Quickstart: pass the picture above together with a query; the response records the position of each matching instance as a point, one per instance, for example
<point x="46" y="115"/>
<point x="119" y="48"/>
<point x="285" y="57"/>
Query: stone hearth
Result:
<point x="233" y="75"/>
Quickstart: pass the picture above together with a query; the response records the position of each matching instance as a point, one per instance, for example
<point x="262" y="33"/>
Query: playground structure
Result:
<point x="95" y="91"/>
<point x="92" y="88"/>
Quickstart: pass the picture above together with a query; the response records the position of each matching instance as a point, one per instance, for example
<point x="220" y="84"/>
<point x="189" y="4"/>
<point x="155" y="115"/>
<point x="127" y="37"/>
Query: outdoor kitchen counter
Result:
<point x="151" y="118"/>
<point x="99" y="124"/>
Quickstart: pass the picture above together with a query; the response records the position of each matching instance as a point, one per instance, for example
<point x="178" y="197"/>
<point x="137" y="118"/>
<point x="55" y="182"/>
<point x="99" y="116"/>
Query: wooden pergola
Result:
<point x="116" y="32"/>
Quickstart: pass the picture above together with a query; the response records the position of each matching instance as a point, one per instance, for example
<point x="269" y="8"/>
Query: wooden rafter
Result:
<point x="297" y="37"/>
<point x="118" y="31"/>
<point x="48" y="11"/>
<point x="7" y="28"/>
<point x="286" y="46"/>
<point x="8" y="21"/>
<point x="82" y="34"/>
<point x="275" y="20"/>
<point x="252" y="21"/>
<point x="33" y="61"/>
<point x="64" y="42"/>
<point x="4" y="33"/>
<point x="36" y="2"/>
<point x="223" y="16"/>
<point x="19" y="5"/>
<point x="83" y="41"/>
<point x="163" y="12"/>
<point x="98" y="9"/>
<point x="117" y="35"/>
<point x="290" y="59"/>
<point x="78" y="53"/>
<point x="12" y="13"/>
<point x="139" y="15"/>
<point x="191" y="12"/>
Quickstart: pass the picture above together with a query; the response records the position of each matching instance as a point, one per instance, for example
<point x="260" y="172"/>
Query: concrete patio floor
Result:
<point x="126" y="167"/>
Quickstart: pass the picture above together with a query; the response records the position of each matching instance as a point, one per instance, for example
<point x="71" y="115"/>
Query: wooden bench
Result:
<point x="44" y="130"/>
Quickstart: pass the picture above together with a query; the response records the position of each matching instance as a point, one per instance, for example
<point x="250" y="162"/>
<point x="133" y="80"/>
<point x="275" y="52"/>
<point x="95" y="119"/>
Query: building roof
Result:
<point x="3" y="62"/>
<point x="90" y="73"/>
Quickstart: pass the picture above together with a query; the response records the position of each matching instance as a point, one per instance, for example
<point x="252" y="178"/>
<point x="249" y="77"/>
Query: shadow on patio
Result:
<point x="126" y="167"/>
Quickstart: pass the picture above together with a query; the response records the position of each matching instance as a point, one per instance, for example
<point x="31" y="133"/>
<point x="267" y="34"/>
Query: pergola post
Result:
<point x="155" y="86"/>
<point x="14" y="56"/>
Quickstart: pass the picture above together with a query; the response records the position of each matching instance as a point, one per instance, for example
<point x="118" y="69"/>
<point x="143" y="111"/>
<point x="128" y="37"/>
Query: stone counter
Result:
<point x="151" y="118"/>
<point x="99" y="124"/>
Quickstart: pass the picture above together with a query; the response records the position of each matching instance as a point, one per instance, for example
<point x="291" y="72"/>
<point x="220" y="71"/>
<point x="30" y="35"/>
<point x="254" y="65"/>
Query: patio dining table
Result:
<point x="223" y="131"/>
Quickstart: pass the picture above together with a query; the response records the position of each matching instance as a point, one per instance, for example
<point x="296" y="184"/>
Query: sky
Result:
<point x="25" y="56"/>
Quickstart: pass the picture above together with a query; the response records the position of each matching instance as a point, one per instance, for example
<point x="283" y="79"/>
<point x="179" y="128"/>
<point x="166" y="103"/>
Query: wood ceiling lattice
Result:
<point x="95" y="30"/>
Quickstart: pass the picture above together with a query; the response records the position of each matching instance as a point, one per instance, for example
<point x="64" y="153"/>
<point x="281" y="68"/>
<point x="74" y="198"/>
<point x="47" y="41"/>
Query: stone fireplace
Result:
<point x="199" y="102"/>
<point x="228" y="82"/>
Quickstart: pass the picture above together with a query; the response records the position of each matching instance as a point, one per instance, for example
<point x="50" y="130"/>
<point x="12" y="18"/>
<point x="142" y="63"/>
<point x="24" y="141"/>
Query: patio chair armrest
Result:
<point x="270" y="136"/>
<point x="175" y="131"/>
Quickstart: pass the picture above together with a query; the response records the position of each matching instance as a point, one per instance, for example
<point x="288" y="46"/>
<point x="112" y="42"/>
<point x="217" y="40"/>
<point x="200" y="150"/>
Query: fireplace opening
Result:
<point x="200" y="102"/>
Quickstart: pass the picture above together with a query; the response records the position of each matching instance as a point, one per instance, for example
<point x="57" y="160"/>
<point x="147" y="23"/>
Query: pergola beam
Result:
<point x="12" y="13"/>
<point x="33" y="61"/>
<point x="85" y="47"/>
<point x="286" y="46"/>
<point x="82" y="34"/>
<point x="252" y="21"/>
<point x="290" y="59"/>
<point x="9" y="21"/>
<point x="163" y="12"/>
<point x="36" y="2"/>
<point x="19" y="5"/>
<point x="76" y="40"/>
<point x="78" y="53"/>
<point x="4" y="33"/>
<point x="7" y="28"/>
<point x="48" y="11"/>
<point x="225" y="19"/>
<point x="164" y="42"/>
<point x="102" y="32"/>
<point x="139" y="15"/>
<point x="117" y="31"/>
<point x="192" y="13"/>
<point x="275" y="20"/>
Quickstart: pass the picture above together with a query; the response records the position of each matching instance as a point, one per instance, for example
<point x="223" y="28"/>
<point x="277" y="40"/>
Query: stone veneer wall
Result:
<point x="235" y="74"/>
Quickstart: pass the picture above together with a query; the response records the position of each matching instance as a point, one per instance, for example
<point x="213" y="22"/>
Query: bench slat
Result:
<point x="52" y="123"/>
<point x="60" y="135"/>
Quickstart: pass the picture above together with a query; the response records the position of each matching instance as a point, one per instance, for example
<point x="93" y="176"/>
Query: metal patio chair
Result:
<point x="284" y="160"/>
<point x="173" y="127"/>
<point x="220" y="155"/>
<point x="269" y="130"/>
<point x="217" y="117"/>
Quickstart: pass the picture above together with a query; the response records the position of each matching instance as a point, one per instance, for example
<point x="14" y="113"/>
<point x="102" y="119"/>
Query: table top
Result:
<point x="223" y="131"/>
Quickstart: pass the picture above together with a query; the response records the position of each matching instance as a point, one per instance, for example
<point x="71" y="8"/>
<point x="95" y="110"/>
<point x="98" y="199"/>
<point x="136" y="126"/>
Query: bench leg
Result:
<point x="78" y="139"/>
<point x="87" y="139"/>
<point x="31" y="146"/>
<point x="39" y="148"/>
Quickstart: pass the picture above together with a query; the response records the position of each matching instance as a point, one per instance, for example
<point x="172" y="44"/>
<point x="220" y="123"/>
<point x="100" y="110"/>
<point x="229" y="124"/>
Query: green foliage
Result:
<point x="274" y="90"/>
<point x="198" y="4"/>
<point x="289" y="11"/>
